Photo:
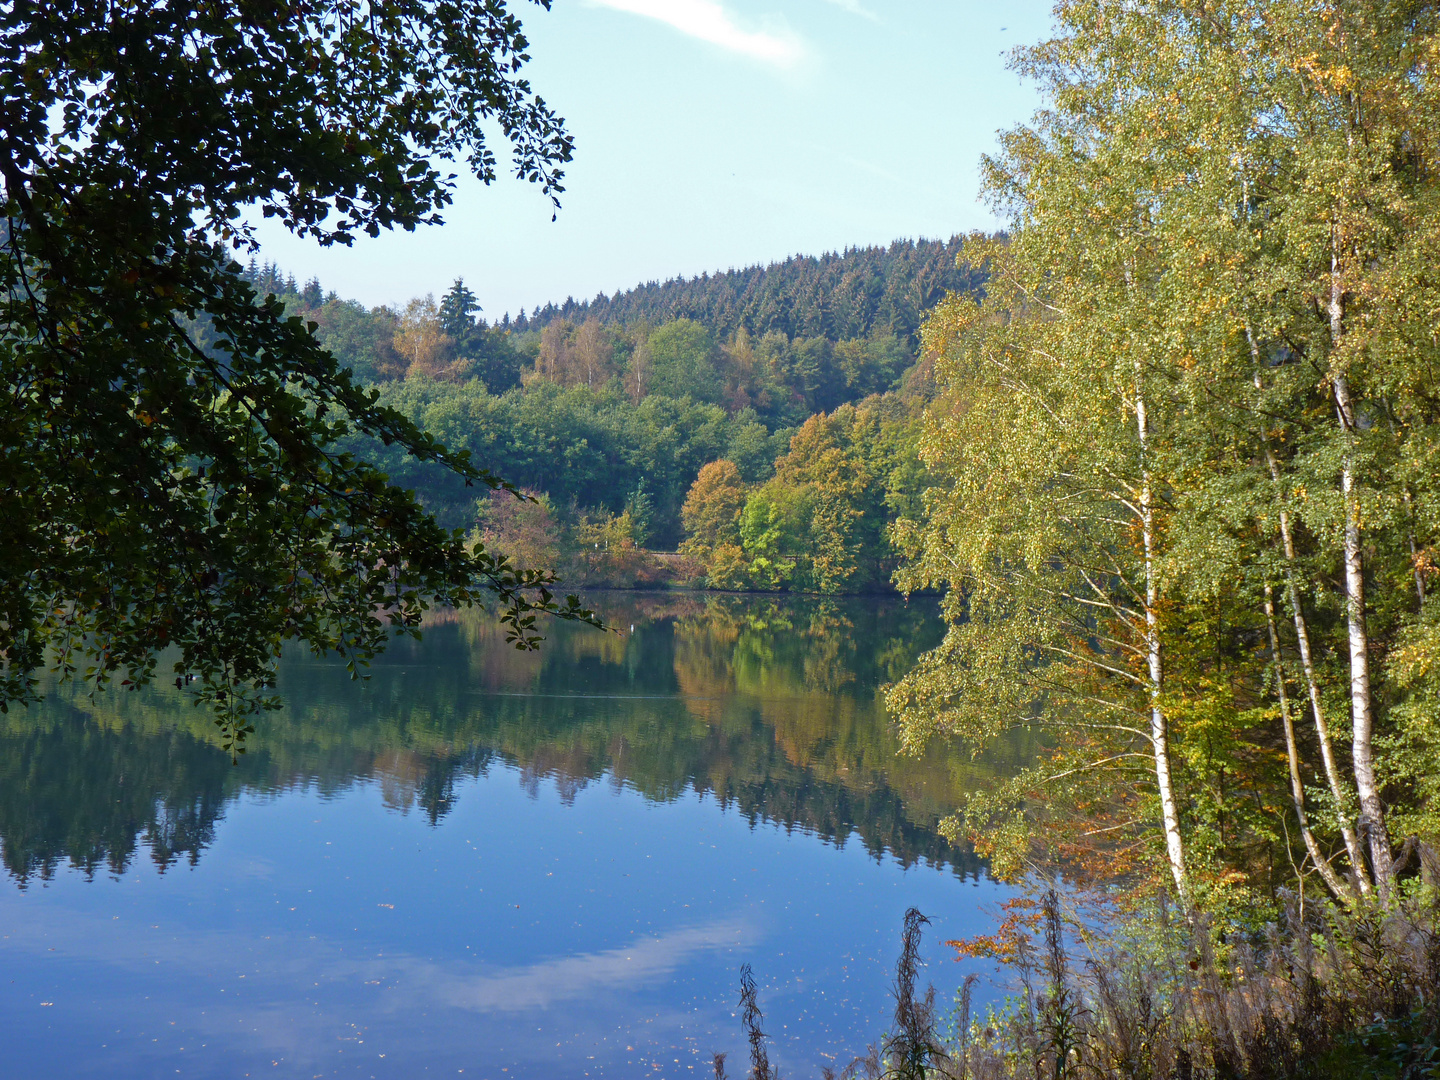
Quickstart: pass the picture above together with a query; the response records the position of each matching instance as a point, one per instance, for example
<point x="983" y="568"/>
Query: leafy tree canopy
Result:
<point x="163" y="493"/>
<point x="1185" y="455"/>
<point x="681" y="363"/>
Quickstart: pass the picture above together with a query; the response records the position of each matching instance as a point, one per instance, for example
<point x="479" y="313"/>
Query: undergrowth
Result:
<point x="1320" y="993"/>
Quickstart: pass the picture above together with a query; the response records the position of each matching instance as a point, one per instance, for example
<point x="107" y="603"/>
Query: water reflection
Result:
<point x="511" y="865"/>
<point x="768" y="705"/>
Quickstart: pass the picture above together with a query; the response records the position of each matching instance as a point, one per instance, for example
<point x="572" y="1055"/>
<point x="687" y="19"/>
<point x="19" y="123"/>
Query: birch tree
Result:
<point x="1201" y="389"/>
<point x="1302" y="223"/>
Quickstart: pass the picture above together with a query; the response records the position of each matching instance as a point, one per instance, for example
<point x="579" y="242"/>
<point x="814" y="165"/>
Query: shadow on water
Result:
<point x="768" y="705"/>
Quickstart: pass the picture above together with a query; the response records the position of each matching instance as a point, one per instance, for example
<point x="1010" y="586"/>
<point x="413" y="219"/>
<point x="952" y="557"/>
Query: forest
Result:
<point x="794" y="390"/>
<point x="857" y="293"/>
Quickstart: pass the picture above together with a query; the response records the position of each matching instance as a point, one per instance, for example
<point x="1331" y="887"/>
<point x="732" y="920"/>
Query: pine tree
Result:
<point x="458" y="308"/>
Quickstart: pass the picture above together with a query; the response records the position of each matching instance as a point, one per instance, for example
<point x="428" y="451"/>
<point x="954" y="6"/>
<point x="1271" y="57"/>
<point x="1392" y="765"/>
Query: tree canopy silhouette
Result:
<point x="170" y="443"/>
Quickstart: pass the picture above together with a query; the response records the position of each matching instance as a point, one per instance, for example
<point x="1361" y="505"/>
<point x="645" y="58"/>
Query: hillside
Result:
<point x="612" y="407"/>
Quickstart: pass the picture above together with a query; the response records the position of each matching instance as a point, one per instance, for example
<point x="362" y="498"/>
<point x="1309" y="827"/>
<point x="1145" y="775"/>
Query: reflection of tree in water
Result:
<point x="425" y="780"/>
<point x="73" y="790"/>
<point x="764" y="784"/>
<point x="766" y="704"/>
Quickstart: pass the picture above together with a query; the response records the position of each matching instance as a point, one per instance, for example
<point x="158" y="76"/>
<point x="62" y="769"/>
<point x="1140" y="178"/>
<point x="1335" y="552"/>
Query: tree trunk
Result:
<point x="1414" y="551"/>
<point x="1159" y="734"/>
<point x="1372" y="810"/>
<point x="1338" y="789"/>
<point x="1338" y="888"/>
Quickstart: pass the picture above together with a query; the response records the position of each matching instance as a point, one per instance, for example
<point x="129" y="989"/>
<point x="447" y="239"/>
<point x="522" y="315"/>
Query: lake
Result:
<point x="486" y="863"/>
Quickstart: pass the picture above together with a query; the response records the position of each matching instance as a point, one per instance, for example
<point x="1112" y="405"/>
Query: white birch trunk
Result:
<point x="1159" y="733"/>
<point x="1338" y="888"/>
<point x="1339" y="791"/>
<point x="1372" y="810"/>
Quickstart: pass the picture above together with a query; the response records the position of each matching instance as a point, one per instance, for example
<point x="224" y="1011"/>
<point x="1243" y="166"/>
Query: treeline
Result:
<point x="857" y="293"/>
<point x="783" y="377"/>
<point x="612" y="422"/>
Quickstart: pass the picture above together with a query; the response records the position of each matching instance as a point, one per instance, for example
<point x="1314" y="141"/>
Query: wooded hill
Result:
<point x="611" y="409"/>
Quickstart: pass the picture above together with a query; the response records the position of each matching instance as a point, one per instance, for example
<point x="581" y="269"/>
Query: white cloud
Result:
<point x="853" y="6"/>
<point x="585" y="975"/>
<point x="709" y="21"/>
<point x="276" y="1018"/>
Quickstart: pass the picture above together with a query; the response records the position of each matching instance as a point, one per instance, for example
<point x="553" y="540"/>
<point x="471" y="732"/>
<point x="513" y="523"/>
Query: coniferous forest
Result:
<point x="858" y="293"/>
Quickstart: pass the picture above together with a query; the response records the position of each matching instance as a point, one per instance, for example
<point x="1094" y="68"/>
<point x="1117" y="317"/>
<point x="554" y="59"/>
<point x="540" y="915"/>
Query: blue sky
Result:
<point x="719" y="133"/>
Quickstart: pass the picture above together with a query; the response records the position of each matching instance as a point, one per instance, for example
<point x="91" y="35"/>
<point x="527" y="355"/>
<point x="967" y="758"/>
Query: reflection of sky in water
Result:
<point x="522" y="937"/>
<point x="487" y="863"/>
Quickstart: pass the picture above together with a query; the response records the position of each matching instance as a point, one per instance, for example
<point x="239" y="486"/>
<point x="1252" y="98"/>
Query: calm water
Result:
<point x="487" y="863"/>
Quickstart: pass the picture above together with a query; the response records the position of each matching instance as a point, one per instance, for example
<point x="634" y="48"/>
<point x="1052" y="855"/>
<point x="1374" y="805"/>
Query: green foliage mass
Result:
<point x="575" y="444"/>
<point x="820" y="523"/>
<point x="1187" y="500"/>
<point x="681" y="362"/>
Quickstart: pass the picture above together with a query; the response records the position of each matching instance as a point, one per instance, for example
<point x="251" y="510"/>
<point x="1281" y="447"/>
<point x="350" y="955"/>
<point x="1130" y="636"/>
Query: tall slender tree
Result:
<point x="1219" y="231"/>
<point x="458" y="308"/>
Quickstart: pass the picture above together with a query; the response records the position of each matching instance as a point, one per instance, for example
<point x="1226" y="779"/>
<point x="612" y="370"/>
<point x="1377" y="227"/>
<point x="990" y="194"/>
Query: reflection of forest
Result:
<point x="767" y="704"/>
